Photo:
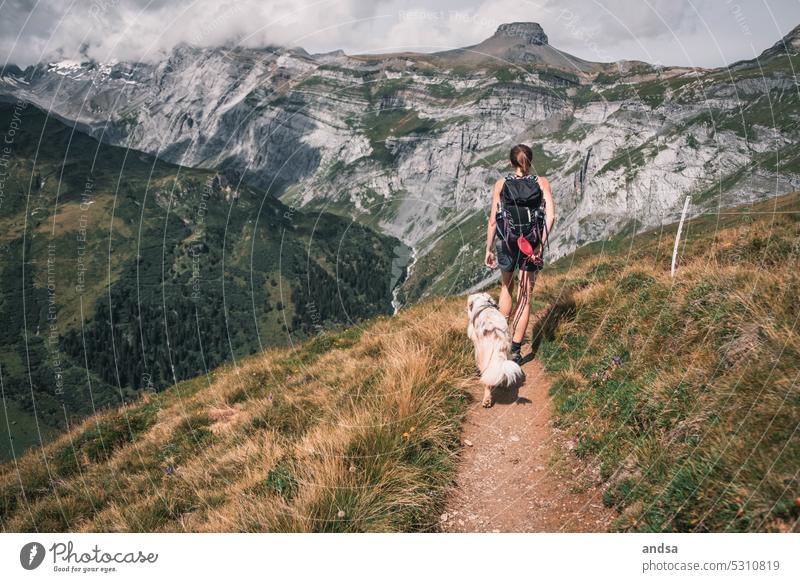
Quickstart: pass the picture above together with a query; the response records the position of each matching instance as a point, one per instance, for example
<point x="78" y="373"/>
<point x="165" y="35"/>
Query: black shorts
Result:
<point x="509" y="258"/>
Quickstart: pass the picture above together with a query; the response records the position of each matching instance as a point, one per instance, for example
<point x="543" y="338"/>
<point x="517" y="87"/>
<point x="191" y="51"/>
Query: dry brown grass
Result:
<point x="351" y="432"/>
<point x="696" y="427"/>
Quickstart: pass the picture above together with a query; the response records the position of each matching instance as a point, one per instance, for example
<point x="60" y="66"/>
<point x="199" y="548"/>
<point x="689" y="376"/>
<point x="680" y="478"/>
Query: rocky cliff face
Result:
<point x="412" y="143"/>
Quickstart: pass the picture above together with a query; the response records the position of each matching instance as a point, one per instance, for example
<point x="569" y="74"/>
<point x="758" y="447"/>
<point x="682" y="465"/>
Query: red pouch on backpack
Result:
<point x="525" y="246"/>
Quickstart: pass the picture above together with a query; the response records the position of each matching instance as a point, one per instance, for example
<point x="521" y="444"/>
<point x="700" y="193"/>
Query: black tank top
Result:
<point x="521" y="191"/>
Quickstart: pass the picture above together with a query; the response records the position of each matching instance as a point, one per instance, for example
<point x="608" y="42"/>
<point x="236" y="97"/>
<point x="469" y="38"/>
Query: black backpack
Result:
<point x="520" y="213"/>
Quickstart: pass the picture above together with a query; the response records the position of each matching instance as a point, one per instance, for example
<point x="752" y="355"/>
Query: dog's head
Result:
<point x="478" y="300"/>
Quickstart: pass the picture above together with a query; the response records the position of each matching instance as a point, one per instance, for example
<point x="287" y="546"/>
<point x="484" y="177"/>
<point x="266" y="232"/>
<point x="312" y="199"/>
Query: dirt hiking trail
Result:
<point x="516" y="473"/>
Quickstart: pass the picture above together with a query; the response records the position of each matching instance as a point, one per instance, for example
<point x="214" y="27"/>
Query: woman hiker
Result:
<point x="520" y="221"/>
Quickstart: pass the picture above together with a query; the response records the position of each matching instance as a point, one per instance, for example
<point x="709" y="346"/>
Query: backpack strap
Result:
<point x="500" y="198"/>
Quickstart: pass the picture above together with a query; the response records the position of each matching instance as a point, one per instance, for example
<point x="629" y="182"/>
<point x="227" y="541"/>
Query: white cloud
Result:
<point x="700" y="32"/>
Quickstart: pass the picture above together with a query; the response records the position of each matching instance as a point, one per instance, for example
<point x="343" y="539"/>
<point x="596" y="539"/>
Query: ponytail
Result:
<point x="521" y="157"/>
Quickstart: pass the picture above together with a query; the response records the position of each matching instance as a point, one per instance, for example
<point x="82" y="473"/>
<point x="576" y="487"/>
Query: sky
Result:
<point x="704" y="33"/>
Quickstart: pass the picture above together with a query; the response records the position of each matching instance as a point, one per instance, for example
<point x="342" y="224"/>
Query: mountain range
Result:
<point x="410" y="143"/>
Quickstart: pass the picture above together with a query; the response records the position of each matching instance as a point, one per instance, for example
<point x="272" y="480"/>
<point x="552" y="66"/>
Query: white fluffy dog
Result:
<point x="488" y="330"/>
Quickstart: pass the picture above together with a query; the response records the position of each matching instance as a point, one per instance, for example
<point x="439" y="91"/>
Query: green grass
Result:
<point x="652" y="92"/>
<point x="570" y="130"/>
<point x="508" y="74"/>
<point x="395" y="123"/>
<point x="493" y="158"/>
<point x="497" y="158"/>
<point x="631" y="158"/>
<point x="443" y="90"/>
<point x="585" y="95"/>
<point x="786" y="65"/>
<point x="281" y="480"/>
<point x="544" y="164"/>
<point x="768" y="111"/>
<point x="782" y="160"/>
<point x="24" y="430"/>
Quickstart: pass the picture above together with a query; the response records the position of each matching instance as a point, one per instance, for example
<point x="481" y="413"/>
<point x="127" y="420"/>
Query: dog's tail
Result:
<point x="502" y="373"/>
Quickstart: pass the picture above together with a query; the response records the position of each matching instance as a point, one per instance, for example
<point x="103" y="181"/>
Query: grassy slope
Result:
<point x="351" y="432"/>
<point x="694" y="428"/>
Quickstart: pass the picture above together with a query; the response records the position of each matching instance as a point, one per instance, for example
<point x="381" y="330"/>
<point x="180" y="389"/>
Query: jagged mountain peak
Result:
<point x="522" y="32"/>
<point x="517" y="43"/>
